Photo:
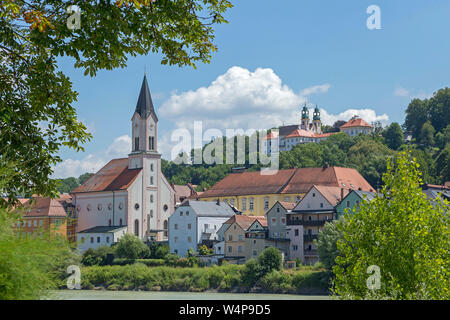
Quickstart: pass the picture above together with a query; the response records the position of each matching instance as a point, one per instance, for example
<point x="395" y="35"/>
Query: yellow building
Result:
<point x="46" y="215"/>
<point x="254" y="193"/>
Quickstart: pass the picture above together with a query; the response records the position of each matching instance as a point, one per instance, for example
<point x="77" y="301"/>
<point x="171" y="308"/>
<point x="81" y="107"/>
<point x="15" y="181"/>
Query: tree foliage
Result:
<point x="393" y="135"/>
<point x="402" y="232"/>
<point x="37" y="114"/>
<point x="327" y="242"/>
<point x="131" y="247"/>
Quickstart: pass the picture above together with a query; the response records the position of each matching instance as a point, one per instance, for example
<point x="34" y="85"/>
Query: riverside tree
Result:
<point x="37" y="116"/>
<point x="403" y="233"/>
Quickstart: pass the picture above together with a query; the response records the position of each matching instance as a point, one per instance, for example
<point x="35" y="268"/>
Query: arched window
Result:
<point x="136" y="227"/>
<point x="120" y="221"/>
<point x="165" y="224"/>
<point x="109" y="222"/>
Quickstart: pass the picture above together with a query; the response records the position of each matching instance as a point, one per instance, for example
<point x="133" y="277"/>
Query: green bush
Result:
<point x="270" y="259"/>
<point x="131" y="247"/>
<point x="159" y="250"/>
<point x="96" y="257"/>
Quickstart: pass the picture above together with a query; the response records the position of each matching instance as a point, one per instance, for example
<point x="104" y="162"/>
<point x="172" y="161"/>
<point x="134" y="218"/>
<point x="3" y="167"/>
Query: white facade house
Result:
<point x="194" y="222"/>
<point x="130" y="192"/>
<point x="308" y="217"/>
<point x="99" y="236"/>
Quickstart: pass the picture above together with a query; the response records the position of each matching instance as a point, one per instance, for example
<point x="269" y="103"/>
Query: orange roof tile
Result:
<point x="39" y="207"/>
<point x="287" y="205"/>
<point x="115" y="175"/>
<point x="356" y="122"/>
<point x="246" y="221"/>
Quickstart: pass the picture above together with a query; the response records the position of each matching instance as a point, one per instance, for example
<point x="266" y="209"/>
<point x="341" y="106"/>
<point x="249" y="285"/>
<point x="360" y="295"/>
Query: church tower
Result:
<point x="144" y="129"/>
<point x="145" y="156"/>
<point x="317" y="124"/>
<point x="305" y="118"/>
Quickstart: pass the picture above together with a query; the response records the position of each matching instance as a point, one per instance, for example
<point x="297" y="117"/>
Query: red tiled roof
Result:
<point x="288" y="181"/>
<point x="287" y="205"/>
<point x="356" y="122"/>
<point x="115" y="175"/>
<point x="332" y="194"/>
<point x="45" y="207"/>
<point x="309" y="134"/>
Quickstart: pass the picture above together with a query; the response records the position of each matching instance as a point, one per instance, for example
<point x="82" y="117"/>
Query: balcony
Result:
<point x="310" y="252"/>
<point x="292" y="222"/>
<point x="310" y="237"/>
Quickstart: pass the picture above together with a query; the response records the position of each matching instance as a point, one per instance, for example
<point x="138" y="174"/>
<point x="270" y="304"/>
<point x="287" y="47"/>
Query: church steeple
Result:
<point x="144" y="106"/>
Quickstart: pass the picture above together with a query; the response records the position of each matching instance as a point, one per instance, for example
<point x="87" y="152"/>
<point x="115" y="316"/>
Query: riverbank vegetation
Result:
<point x="225" y="278"/>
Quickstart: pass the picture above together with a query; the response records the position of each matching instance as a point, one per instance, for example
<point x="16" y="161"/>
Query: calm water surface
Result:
<point x="161" y="295"/>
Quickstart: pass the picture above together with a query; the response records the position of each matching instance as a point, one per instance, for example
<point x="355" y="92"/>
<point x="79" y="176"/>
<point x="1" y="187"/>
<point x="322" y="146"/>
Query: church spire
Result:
<point x="144" y="106"/>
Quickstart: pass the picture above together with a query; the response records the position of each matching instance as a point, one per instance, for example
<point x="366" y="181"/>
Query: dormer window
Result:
<point x="136" y="144"/>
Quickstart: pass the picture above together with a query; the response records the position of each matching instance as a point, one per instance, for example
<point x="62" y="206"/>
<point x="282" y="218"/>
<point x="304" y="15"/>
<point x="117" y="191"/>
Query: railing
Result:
<point x="292" y="222"/>
<point x="310" y="237"/>
<point x="310" y="252"/>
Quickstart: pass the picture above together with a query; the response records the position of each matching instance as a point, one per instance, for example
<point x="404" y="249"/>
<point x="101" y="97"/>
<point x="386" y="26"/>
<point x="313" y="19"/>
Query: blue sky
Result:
<point x="274" y="56"/>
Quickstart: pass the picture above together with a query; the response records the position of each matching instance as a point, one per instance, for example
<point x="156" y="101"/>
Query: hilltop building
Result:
<point x="129" y="192"/>
<point x="356" y="126"/>
<point x="292" y="135"/>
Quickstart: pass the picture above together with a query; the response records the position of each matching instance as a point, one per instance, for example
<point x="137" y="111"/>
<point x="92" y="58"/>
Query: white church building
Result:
<point x="128" y="192"/>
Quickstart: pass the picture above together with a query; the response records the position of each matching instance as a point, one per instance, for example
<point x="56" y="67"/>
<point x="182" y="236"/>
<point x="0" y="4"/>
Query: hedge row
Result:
<point x="224" y="278"/>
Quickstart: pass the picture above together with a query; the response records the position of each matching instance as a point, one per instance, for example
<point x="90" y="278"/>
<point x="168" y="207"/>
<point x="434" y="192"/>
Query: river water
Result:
<point x="164" y="295"/>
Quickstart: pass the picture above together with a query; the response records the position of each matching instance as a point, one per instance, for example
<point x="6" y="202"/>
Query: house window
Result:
<point x="230" y="237"/>
<point x="266" y="203"/>
<point x="175" y="240"/>
<point x="175" y="226"/>
<point x="92" y="239"/>
<point x="151" y="167"/>
<point x="239" y="249"/>
<point x="189" y="239"/>
<point x="244" y="204"/>
<point x="165" y="224"/>
<point x="295" y="247"/>
<point x="189" y="226"/>
<point x="230" y="249"/>
<point x="296" y="232"/>
<point x="151" y="198"/>
<point x="181" y="213"/>
<point x="35" y="223"/>
<point x="240" y="237"/>
<point x="321" y="204"/>
<point x="283" y="220"/>
<point x="314" y="194"/>
<point x="109" y="222"/>
<point x="107" y="239"/>
<point x="250" y="204"/>
<point x="151" y="180"/>
<point x="357" y="202"/>
<point x="255" y="252"/>
<point x="120" y="222"/>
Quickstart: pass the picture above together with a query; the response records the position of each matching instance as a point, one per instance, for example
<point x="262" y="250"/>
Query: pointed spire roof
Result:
<point x="144" y="106"/>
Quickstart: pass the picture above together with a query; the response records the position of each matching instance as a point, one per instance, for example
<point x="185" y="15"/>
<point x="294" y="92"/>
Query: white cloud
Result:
<point x="368" y="115"/>
<point x="120" y="148"/>
<point x="411" y="94"/>
<point x="238" y="99"/>
<point x="401" y="92"/>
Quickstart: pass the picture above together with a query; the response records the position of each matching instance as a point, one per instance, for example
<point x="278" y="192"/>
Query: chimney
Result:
<point x="342" y="193"/>
<point x="325" y="165"/>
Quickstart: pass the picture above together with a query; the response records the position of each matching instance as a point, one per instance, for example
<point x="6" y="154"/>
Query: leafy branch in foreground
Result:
<point x="37" y="116"/>
<point x="402" y="232"/>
